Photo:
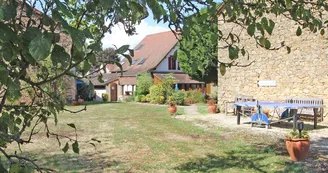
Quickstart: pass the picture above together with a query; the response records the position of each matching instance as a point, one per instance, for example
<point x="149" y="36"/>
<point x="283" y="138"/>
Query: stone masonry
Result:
<point x="303" y="73"/>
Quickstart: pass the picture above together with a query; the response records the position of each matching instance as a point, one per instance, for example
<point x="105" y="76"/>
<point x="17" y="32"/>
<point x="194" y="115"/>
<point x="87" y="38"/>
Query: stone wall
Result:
<point x="303" y="73"/>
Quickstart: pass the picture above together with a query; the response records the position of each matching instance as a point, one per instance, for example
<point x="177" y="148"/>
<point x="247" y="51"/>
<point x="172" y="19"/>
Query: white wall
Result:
<point x="99" y="92"/>
<point x="129" y="88"/>
<point x="164" y="65"/>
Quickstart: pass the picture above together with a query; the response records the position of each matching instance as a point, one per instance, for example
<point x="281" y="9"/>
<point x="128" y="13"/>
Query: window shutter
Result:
<point x="170" y="62"/>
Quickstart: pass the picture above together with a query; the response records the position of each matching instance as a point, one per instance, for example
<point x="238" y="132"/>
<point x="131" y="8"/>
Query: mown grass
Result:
<point x="202" y="108"/>
<point x="144" y="138"/>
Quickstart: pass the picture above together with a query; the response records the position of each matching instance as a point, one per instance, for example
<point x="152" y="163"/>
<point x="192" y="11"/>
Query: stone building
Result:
<point x="303" y="73"/>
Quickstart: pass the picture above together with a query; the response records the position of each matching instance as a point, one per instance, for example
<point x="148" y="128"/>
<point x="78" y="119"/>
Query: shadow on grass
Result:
<point x="96" y="103"/>
<point x="255" y="158"/>
<point x="77" y="163"/>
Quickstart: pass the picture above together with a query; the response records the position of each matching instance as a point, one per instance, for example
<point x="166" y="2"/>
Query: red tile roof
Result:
<point x="128" y="81"/>
<point x="180" y="77"/>
<point x="155" y="48"/>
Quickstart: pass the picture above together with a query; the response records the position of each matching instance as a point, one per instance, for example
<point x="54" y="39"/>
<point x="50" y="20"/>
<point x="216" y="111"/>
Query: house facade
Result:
<point x="274" y="75"/>
<point x="153" y="55"/>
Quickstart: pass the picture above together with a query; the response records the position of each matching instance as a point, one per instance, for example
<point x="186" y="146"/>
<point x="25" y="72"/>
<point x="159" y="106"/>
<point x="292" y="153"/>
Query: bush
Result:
<point x="104" y="97"/>
<point x="195" y="97"/>
<point x="144" y="98"/>
<point x="155" y="92"/>
<point x="138" y="98"/>
<point x="129" y="99"/>
<point x="144" y="82"/>
<point x="179" y="97"/>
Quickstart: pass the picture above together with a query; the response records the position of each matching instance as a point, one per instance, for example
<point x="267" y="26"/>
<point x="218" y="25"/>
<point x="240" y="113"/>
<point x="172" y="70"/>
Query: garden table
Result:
<point x="291" y="106"/>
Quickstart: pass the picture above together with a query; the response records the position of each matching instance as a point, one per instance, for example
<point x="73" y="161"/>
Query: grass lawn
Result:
<point x="144" y="138"/>
<point x="202" y="108"/>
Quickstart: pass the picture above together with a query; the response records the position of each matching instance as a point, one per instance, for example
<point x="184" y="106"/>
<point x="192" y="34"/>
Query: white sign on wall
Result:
<point x="266" y="83"/>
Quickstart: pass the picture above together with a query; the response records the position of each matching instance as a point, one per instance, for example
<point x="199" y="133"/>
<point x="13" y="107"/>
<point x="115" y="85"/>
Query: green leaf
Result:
<point x="7" y="52"/>
<point x="31" y="33"/>
<point x="299" y="31"/>
<point x="322" y="32"/>
<point x="2" y="15"/>
<point x="251" y="29"/>
<point x="222" y="69"/>
<point x="86" y="67"/>
<point x="95" y="46"/>
<point x="267" y="44"/>
<point x="75" y="147"/>
<point x="262" y="40"/>
<point x="63" y="8"/>
<point x="92" y="58"/>
<point x="131" y="51"/>
<point x="288" y="4"/>
<point x="233" y="52"/>
<point x="13" y="89"/>
<point x="271" y="26"/>
<point x="72" y="125"/>
<point x="2" y="169"/>
<point x="65" y="149"/>
<point x="10" y="10"/>
<point x="128" y="57"/>
<point x="122" y="49"/>
<point x="100" y="78"/>
<point x="59" y="55"/>
<point x="264" y="22"/>
<point x="6" y="33"/>
<point x="288" y="49"/>
<point x="40" y="48"/>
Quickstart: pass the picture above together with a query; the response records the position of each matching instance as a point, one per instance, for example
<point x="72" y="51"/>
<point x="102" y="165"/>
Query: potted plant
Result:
<point x="172" y="105"/>
<point x="211" y="106"/>
<point x="298" y="145"/>
<point x="74" y="103"/>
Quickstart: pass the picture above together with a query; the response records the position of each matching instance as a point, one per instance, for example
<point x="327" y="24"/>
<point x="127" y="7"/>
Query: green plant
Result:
<point x="129" y="99"/>
<point x="194" y="96"/>
<point x="104" y="97"/>
<point x="144" y="82"/>
<point x="143" y="98"/>
<point x="155" y="92"/>
<point x="171" y="101"/>
<point x="138" y="98"/>
<point x="297" y="135"/>
<point x="180" y="97"/>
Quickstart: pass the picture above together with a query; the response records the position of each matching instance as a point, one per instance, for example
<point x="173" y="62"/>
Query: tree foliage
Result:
<point x="198" y="51"/>
<point x="62" y="37"/>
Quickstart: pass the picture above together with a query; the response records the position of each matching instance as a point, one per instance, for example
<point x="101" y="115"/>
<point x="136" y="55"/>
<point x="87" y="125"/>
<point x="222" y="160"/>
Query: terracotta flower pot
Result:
<point x="74" y="103"/>
<point x="172" y="109"/>
<point x="212" y="109"/>
<point x="298" y="149"/>
<point x="80" y="100"/>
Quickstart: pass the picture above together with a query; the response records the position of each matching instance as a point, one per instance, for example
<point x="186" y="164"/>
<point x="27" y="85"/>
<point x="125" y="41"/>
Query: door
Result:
<point x="113" y="92"/>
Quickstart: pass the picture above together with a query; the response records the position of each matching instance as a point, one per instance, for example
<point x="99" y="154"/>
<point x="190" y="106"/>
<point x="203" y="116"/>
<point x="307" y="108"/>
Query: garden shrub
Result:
<point x="138" y="98"/>
<point x="194" y="96"/>
<point x="144" y="98"/>
<point x="104" y="97"/>
<point x="148" y="97"/>
<point x="129" y="99"/>
<point x="156" y="91"/>
<point x="179" y="97"/>
<point x="144" y="82"/>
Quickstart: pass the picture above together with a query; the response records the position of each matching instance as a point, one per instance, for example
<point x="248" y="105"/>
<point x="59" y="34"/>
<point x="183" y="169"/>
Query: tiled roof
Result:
<point x="180" y="77"/>
<point x="107" y="78"/>
<point x="155" y="48"/>
<point x="127" y="80"/>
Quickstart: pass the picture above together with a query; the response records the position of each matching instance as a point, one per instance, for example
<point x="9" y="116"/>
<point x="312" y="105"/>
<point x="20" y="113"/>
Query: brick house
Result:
<point x="302" y="73"/>
<point x="154" y="55"/>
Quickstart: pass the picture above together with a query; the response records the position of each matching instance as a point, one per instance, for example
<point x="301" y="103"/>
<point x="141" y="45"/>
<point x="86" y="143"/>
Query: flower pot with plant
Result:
<point x="172" y="109"/>
<point x="211" y="106"/>
<point x="298" y="144"/>
<point x="74" y="103"/>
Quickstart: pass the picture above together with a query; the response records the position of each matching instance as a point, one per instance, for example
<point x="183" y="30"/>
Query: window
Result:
<point x="142" y="61"/>
<point x="134" y="61"/>
<point x="172" y="63"/>
<point x="139" y="47"/>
